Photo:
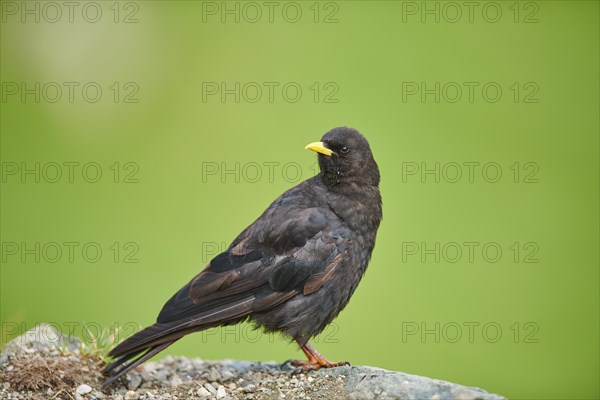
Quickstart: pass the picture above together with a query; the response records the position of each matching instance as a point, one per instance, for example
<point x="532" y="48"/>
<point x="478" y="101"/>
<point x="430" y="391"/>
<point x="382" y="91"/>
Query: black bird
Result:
<point x="292" y="271"/>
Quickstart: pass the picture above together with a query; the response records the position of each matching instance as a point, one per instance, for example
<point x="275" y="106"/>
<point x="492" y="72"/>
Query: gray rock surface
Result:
<point x="191" y="378"/>
<point x="377" y="383"/>
<point x="44" y="339"/>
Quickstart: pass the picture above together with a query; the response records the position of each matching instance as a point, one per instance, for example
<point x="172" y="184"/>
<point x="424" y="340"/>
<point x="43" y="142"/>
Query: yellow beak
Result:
<point x="319" y="147"/>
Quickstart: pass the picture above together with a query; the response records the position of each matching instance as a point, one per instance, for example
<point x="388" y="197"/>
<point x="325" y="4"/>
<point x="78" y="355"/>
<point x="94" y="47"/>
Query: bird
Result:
<point x="291" y="271"/>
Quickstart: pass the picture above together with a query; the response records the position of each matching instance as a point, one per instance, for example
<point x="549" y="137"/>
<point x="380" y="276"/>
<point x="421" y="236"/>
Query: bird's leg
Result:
<point x="315" y="359"/>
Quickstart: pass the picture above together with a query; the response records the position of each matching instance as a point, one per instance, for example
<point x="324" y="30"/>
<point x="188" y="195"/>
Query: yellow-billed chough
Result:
<point x="292" y="270"/>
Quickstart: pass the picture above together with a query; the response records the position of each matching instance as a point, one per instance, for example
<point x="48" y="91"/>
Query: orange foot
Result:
<point x="315" y="360"/>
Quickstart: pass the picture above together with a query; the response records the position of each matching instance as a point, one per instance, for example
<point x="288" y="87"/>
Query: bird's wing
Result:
<point x="293" y="248"/>
<point x="285" y="252"/>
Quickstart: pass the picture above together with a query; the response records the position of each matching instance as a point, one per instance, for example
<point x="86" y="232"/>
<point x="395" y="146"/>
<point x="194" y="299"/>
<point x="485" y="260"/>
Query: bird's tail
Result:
<point x="155" y="338"/>
<point x="125" y="364"/>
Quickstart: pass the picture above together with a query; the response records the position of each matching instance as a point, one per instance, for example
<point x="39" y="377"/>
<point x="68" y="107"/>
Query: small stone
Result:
<point x="10" y="368"/>
<point x="184" y="364"/>
<point x="83" y="389"/>
<point x="134" y="382"/>
<point x="250" y="388"/>
<point x="175" y="381"/>
<point x="97" y="395"/>
<point x="210" y="388"/>
<point x="221" y="392"/>
<point x="213" y="374"/>
<point x="227" y="375"/>
<point x="310" y="379"/>
<point x="203" y="392"/>
<point x="160" y="375"/>
<point x="168" y="360"/>
<point x="131" y="395"/>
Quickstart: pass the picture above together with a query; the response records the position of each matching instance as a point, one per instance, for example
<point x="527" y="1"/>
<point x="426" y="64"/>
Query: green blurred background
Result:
<point x="194" y="168"/>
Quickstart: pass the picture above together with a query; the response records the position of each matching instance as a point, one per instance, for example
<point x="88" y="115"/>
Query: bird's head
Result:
<point x="345" y="157"/>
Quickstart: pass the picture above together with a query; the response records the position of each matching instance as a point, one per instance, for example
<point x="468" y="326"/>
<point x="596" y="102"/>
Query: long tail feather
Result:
<point x="127" y="367"/>
<point x="155" y="338"/>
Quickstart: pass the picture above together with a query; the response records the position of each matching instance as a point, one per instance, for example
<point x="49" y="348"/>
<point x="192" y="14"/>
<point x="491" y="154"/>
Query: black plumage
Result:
<point x="292" y="270"/>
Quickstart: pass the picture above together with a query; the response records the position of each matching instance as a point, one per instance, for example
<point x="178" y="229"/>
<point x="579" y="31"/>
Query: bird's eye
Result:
<point x="344" y="150"/>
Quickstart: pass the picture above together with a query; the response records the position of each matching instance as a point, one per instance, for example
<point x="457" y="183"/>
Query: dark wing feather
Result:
<point x="282" y="249"/>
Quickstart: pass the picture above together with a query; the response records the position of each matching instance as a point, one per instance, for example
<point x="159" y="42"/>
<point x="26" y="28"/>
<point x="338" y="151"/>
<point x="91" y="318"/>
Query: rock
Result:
<point x="135" y="380"/>
<point x="213" y="374"/>
<point x="181" y="378"/>
<point x="210" y="388"/>
<point x="131" y="395"/>
<point x="83" y="389"/>
<point x="175" y="381"/>
<point x="371" y="383"/>
<point x="97" y="395"/>
<point x="249" y="388"/>
<point x="44" y="338"/>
